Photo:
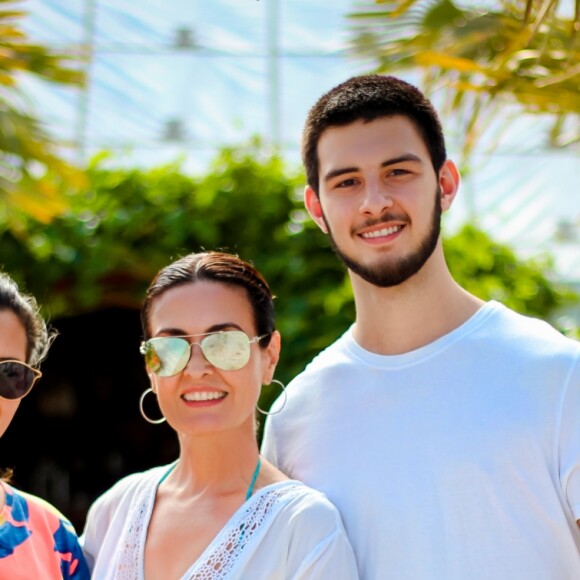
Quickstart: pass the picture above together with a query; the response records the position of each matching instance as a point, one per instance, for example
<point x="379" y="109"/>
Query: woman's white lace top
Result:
<point x="285" y="530"/>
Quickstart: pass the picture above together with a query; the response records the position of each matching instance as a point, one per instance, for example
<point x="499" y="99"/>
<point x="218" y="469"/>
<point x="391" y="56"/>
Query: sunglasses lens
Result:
<point x="16" y="379"/>
<point x="228" y="351"/>
<point x="167" y="355"/>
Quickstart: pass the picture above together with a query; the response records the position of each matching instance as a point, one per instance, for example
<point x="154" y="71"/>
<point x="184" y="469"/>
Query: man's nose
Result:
<point x="376" y="198"/>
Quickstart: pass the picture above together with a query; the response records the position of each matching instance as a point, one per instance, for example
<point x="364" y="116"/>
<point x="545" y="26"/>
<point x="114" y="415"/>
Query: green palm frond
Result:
<point x="32" y="174"/>
<point x="518" y="52"/>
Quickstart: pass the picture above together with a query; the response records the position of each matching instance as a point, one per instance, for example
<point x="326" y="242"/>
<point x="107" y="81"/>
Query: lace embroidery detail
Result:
<point x="230" y="542"/>
<point x="127" y="567"/>
<point x="218" y="564"/>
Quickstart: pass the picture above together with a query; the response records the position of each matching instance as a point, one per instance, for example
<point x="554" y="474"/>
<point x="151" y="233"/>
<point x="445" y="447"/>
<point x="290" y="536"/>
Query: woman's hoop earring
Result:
<point x="283" y="404"/>
<point x="152" y="421"/>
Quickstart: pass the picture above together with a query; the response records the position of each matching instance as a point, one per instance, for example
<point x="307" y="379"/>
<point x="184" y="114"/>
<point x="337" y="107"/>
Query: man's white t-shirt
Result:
<point x="459" y="460"/>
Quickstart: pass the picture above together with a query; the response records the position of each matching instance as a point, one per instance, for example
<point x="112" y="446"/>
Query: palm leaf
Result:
<point x="33" y="177"/>
<point x="511" y="54"/>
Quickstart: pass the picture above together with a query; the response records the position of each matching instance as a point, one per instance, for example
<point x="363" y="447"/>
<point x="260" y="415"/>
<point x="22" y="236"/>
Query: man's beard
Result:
<point x="393" y="273"/>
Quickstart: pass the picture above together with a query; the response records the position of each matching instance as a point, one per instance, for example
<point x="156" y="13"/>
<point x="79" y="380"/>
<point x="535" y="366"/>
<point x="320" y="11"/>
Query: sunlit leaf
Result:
<point x="25" y="147"/>
<point x="445" y="61"/>
<point x="521" y="53"/>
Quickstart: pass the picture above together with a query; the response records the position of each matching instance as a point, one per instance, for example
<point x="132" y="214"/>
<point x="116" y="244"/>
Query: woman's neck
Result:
<point x="215" y="464"/>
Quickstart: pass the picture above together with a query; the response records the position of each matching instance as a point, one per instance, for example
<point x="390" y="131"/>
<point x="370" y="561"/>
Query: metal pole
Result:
<point x="273" y="32"/>
<point x="87" y="55"/>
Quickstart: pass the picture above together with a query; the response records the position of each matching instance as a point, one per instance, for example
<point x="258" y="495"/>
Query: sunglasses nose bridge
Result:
<point x="196" y="355"/>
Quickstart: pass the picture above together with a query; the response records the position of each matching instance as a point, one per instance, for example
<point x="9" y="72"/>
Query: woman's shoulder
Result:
<point x="124" y="489"/>
<point x="300" y="505"/>
<point x="38" y="528"/>
<point x="308" y="498"/>
<point x="15" y="496"/>
<point x="296" y="494"/>
<point x="312" y="528"/>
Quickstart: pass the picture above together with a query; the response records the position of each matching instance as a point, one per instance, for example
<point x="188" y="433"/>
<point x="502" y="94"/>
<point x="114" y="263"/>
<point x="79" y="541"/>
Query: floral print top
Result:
<point x="37" y="541"/>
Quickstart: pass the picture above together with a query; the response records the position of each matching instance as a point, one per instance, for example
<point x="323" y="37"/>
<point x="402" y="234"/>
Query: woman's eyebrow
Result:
<point x="172" y="331"/>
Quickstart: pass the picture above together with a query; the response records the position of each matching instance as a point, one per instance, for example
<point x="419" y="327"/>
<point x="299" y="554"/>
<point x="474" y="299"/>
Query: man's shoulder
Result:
<point x="335" y="354"/>
<point x="304" y="392"/>
<point x="530" y="330"/>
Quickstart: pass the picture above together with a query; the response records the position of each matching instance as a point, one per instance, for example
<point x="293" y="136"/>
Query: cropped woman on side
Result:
<point x="36" y="540"/>
<point x="220" y="510"/>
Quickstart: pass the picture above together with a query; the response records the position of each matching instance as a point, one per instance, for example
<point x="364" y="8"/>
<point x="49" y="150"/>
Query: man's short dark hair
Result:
<point x="367" y="98"/>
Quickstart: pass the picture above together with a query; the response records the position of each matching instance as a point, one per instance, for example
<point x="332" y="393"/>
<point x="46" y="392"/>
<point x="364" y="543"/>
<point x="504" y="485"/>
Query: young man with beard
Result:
<point x="446" y="429"/>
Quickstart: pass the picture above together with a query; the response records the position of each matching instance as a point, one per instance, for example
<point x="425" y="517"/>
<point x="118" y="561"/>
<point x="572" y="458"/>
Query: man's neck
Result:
<point x="406" y="317"/>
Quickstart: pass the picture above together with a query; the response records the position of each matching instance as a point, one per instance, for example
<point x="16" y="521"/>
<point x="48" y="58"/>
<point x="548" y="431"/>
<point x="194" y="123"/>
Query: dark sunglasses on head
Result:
<point x="16" y="379"/>
<point x="228" y="350"/>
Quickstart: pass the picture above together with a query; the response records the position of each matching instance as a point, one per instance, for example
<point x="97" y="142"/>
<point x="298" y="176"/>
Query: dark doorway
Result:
<point x="80" y="429"/>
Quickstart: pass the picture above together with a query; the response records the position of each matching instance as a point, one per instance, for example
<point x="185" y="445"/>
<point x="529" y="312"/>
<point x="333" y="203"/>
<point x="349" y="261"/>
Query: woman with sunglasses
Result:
<point x="220" y="510"/>
<point x="36" y="540"/>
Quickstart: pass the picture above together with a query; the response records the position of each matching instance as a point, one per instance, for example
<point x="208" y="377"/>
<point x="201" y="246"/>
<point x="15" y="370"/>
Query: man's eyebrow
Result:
<point x="338" y="172"/>
<point x="343" y="170"/>
<point x="401" y="159"/>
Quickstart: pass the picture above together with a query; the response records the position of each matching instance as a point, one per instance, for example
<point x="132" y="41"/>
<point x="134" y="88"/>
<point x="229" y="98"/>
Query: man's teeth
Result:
<point x="204" y="396"/>
<point x="382" y="232"/>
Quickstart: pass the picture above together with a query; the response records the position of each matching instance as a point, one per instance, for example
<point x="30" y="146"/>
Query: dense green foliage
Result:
<point x="493" y="271"/>
<point x="129" y="223"/>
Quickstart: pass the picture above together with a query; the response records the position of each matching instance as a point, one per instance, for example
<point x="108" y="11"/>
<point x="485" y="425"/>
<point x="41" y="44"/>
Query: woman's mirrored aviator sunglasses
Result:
<point x="16" y="379"/>
<point x="228" y="350"/>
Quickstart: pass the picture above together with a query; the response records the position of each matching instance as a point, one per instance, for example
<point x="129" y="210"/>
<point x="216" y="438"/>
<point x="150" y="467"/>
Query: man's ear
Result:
<point x="312" y="203"/>
<point x="449" y="183"/>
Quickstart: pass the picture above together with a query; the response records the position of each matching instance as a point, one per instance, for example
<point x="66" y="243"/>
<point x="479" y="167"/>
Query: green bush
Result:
<point x="128" y="223"/>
